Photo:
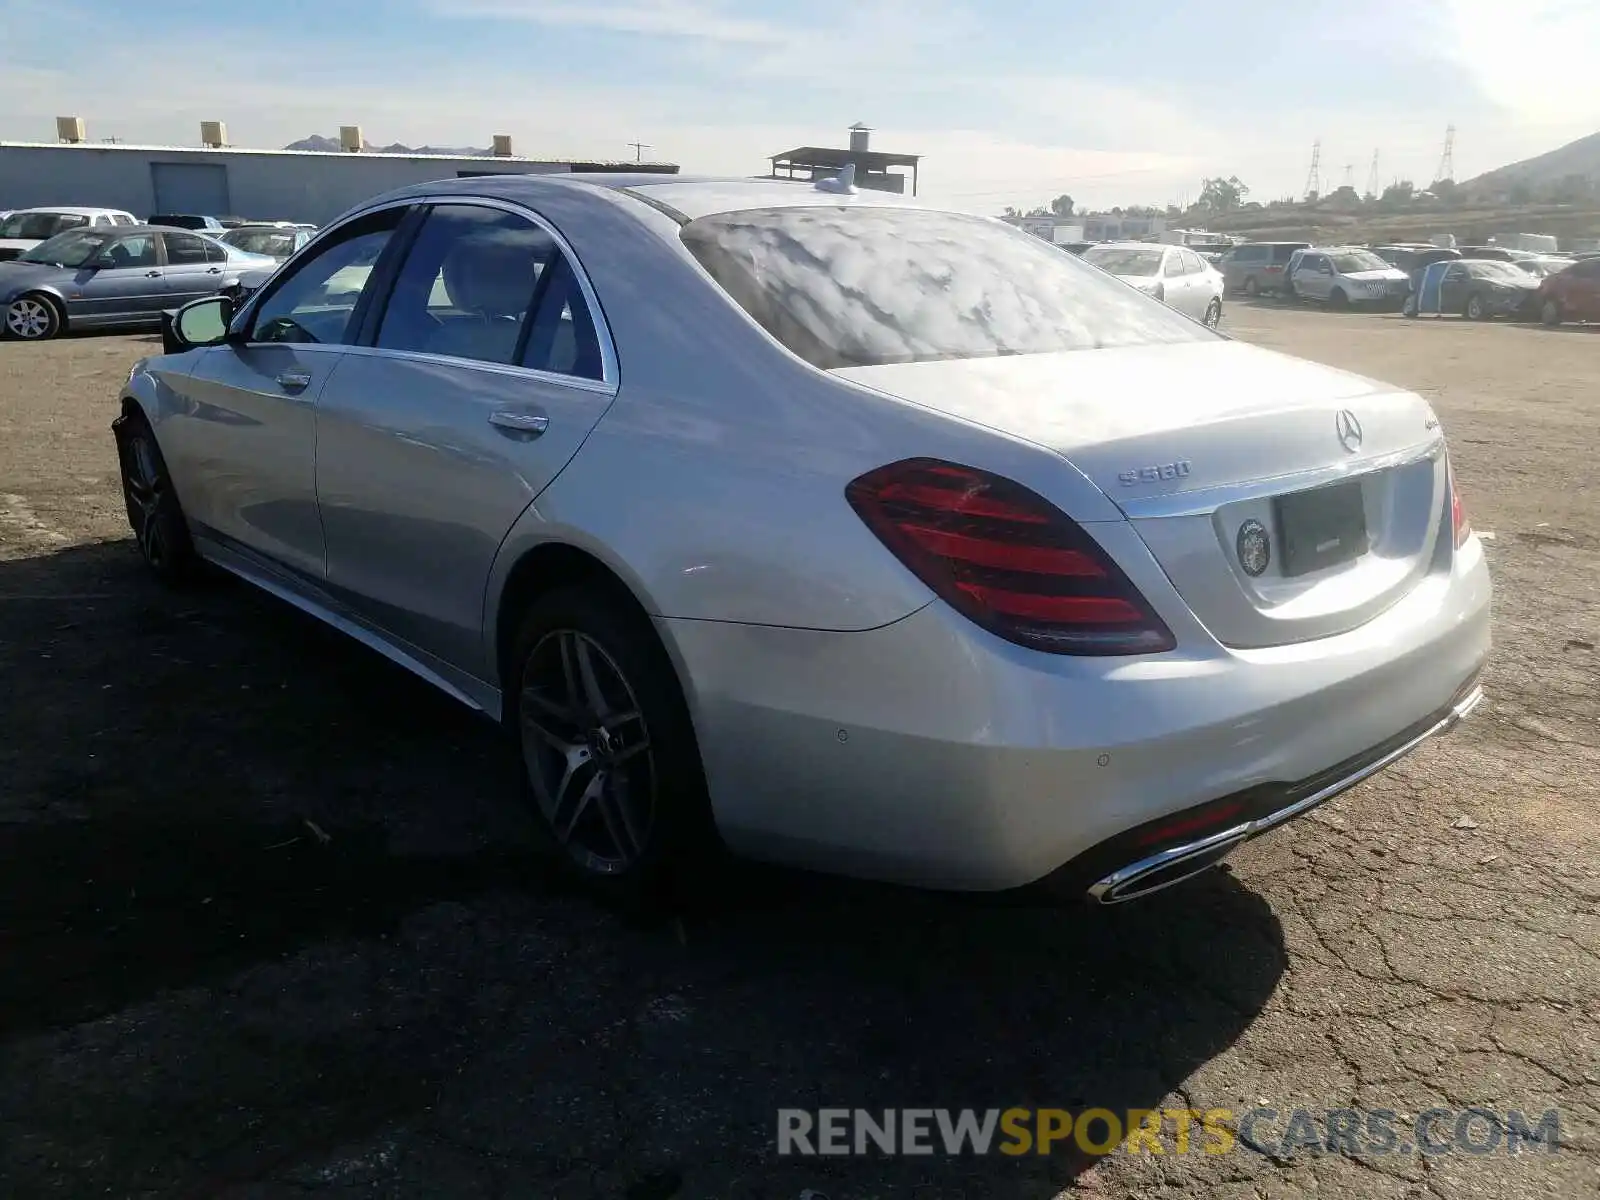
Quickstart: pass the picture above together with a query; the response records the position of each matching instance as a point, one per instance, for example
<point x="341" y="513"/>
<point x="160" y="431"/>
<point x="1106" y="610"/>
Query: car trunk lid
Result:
<point x="1194" y="442"/>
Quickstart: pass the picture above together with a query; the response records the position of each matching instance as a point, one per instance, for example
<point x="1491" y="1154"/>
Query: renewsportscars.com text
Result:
<point x="1099" y="1131"/>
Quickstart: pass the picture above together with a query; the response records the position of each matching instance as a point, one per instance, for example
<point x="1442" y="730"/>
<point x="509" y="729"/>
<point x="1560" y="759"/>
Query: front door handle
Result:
<point x="294" y="381"/>
<point x="531" y="424"/>
<point x="152" y="274"/>
<point x="213" y="270"/>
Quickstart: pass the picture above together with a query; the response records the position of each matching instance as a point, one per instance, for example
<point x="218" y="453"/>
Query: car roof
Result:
<point x="72" y="210"/>
<point x="685" y="198"/>
<point x="1133" y="246"/>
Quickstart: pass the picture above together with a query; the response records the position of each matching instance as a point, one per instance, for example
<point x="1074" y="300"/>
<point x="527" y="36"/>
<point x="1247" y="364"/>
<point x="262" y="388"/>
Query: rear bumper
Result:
<point x="1249" y="815"/>
<point x="928" y="752"/>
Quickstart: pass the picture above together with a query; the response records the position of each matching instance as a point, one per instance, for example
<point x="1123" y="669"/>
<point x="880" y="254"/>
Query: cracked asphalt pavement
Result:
<point x="269" y="926"/>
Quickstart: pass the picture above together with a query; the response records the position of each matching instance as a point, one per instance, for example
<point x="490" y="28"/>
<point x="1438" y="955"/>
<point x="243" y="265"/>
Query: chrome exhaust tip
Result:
<point x="1146" y="875"/>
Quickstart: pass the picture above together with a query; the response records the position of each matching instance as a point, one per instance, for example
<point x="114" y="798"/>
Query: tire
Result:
<point x="154" y="513"/>
<point x="1213" y="316"/>
<point x="1338" y="299"/>
<point x="1251" y="287"/>
<point x="1408" y="307"/>
<point x="1550" y="312"/>
<point x="1473" y="310"/>
<point x="610" y="765"/>
<point x="33" y="317"/>
<point x="1287" y="294"/>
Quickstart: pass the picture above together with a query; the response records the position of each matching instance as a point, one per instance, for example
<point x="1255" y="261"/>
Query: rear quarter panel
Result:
<point x="715" y="483"/>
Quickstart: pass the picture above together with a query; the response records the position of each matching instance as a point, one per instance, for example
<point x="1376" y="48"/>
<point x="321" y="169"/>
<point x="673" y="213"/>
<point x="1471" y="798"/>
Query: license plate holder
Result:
<point x="1321" y="527"/>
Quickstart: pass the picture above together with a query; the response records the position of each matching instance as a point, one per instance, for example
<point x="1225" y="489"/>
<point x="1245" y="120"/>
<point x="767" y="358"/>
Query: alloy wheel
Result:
<point x="1474" y="309"/>
<point x="29" y="318"/>
<point x="1213" y="316"/>
<point x="144" y="481"/>
<point x="587" y="752"/>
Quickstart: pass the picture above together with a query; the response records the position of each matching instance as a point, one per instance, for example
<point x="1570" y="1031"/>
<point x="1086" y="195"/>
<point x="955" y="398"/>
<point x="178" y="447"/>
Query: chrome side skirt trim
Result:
<point x="475" y="694"/>
<point x="1123" y="885"/>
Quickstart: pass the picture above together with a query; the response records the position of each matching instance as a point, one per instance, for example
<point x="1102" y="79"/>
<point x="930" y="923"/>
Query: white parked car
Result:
<point x="1344" y="277"/>
<point x="1175" y="275"/>
<point x="24" y="228"/>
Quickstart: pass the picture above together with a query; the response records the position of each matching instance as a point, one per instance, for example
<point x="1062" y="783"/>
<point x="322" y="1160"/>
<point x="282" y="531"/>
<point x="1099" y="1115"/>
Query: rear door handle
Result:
<point x="294" y="381"/>
<point x="152" y="274"/>
<point x="213" y="270"/>
<point x="529" y="423"/>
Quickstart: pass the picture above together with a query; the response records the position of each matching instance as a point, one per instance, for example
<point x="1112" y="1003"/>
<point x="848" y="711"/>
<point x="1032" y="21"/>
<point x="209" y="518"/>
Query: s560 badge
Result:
<point x="1155" y="474"/>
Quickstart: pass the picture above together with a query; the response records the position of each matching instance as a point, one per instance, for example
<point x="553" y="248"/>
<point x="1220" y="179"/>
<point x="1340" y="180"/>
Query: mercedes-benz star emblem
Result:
<point x="1349" y="430"/>
<point x="1255" y="548"/>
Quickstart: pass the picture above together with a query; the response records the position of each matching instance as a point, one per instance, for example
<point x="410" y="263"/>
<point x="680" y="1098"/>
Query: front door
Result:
<point x="1453" y="288"/>
<point x="484" y="377"/>
<point x="245" y="432"/>
<point x="124" y="284"/>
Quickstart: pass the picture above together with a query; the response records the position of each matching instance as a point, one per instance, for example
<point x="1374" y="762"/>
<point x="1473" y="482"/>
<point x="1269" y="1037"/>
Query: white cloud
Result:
<point x="655" y="18"/>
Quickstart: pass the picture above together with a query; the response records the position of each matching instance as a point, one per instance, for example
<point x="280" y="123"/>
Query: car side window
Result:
<point x="315" y="302"/>
<point x="563" y="338"/>
<point x="467" y="284"/>
<point x="215" y="253"/>
<point x="1193" y="264"/>
<point x="136" y="251"/>
<point x="1172" y="264"/>
<point x="184" y="250"/>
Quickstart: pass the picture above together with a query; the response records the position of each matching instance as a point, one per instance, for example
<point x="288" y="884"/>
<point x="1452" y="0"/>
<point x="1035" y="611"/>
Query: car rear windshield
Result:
<point x="1503" y="271"/>
<point x="277" y="242"/>
<point x="39" y="225"/>
<point x="1125" y="260"/>
<point x="848" y="287"/>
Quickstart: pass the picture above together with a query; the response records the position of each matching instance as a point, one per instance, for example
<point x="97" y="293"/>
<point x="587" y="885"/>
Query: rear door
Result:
<point x="1313" y="276"/>
<point x="482" y="373"/>
<point x="1453" y="288"/>
<point x="244" y="437"/>
<point x="194" y="268"/>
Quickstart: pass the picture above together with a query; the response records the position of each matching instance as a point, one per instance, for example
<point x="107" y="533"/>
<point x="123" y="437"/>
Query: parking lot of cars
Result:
<point x="271" y="927"/>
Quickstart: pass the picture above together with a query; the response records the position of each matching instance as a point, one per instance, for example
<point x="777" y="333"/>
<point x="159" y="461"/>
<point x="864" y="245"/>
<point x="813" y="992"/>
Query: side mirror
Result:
<point x="199" y="323"/>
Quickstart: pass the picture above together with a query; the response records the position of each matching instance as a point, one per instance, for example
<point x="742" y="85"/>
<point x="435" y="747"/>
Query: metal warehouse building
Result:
<point x="287" y="185"/>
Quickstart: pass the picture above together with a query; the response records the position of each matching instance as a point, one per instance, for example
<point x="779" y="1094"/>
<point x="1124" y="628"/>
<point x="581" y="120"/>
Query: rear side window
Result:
<point x="848" y="287"/>
<point x="1282" y="254"/>
<point x="184" y="250"/>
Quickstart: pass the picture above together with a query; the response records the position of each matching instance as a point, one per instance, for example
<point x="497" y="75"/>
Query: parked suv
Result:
<point x="1342" y="276"/>
<point x="1257" y="267"/>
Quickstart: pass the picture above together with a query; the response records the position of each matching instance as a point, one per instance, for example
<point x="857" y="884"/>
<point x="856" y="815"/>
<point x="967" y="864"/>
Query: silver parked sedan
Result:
<point x="1175" y="275"/>
<point x="114" y="279"/>
<point x="824" y="527"/>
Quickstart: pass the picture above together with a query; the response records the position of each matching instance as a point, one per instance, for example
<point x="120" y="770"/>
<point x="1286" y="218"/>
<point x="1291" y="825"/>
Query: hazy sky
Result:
<point x="1011" y="101"/>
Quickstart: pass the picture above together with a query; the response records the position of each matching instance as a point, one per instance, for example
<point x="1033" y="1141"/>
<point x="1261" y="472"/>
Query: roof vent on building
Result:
<point x="502" y="145"/>
<point x="71" y="129"/>
<point x="860" y="135"/>
<point x="350" y="140"/>
<point x="213" y="134"/>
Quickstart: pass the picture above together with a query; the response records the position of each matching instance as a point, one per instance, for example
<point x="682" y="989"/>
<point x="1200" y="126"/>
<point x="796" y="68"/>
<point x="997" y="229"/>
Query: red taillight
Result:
<point x="1006" y="559"/>
<point x="1200" y="821"/>
<point x="1273" y="270"/>
<point x="1458" y="511"/>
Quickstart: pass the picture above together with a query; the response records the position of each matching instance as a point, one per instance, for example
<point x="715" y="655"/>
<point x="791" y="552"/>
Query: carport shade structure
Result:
<point x="872" y="166"/>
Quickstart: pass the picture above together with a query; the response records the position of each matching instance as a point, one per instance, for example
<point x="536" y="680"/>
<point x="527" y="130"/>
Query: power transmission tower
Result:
<point x="638" y="150"/>
<point x="1372" y="178"/>
<point x="1447" y="160"/>
<point x="1313" y="177"/>
<point x="1350" y="175"/>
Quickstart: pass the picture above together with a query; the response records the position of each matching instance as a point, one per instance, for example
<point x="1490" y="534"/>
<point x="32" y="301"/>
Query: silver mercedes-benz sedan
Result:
<point x="822" y="527"/>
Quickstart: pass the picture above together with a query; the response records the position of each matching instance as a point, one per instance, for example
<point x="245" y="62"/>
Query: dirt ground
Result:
<point x="200" y="997"/>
